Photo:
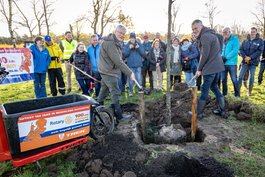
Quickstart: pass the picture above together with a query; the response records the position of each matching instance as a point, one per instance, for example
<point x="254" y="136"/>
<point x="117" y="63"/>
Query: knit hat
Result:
<point x="132" y="35"/>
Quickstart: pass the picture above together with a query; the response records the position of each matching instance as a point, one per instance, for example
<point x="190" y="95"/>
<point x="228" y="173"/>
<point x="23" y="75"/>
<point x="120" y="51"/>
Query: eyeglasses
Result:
<point x="121" y="32"/>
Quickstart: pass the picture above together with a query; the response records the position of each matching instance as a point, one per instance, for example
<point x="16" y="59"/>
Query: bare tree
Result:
<point x="126" y="20"/>
<point x="212" y="11"/>
<point x="168" y="95"/>
<point x="102" y="14"/>
<point x="47" y="10"/>
<point x="175" y="11"/>
<point x="38" y="14"/>
<point x="78" y="25"/>
<point x="7" y="13"/>
<point x="239" y="31"/>
<point x="260" y="16"/>
<point x="25" y="21"/>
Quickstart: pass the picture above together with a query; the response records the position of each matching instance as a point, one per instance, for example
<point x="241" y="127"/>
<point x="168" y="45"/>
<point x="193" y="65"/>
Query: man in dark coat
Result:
<point x="110" y="66"/>
<point x="210" y="66"/>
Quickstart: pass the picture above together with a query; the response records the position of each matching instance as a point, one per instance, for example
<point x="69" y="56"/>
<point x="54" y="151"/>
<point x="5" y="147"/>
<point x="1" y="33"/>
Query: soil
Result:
<point x="124" y="153"/>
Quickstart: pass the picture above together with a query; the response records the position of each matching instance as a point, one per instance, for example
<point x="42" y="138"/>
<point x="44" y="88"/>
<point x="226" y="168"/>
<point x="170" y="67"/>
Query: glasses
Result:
<point x="121" y="32"/>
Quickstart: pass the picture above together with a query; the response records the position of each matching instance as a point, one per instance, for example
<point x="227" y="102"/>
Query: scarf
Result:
<point x="157" y="53"/>
<point x="176" y="54"/>
<point x="185" y="47"/>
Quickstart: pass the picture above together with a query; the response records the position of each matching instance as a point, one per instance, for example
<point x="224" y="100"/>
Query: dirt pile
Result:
<point x="120" y="156"/>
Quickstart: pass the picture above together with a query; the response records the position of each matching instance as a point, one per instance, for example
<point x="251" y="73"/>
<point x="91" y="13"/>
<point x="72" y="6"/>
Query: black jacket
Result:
<point x="81" y="61"/>
<point x="161" y="60"/>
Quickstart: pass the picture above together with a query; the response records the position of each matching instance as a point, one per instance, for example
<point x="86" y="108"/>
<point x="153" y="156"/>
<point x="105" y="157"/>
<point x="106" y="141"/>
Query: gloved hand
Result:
<point x="132" y="77"/>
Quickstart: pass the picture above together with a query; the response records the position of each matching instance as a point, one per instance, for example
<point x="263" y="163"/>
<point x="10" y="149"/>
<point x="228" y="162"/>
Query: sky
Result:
<point x="151" y="15"/>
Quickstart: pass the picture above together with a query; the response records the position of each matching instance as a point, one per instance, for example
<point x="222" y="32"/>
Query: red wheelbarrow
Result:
<point x="31" y="130"/>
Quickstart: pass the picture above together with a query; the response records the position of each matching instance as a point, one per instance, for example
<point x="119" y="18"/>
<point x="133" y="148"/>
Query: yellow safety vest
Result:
<point x="54" y="51"/>
<point x="69" y="48"/>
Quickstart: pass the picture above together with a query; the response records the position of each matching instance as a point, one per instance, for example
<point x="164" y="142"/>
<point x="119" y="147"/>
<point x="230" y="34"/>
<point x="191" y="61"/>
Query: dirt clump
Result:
<point x="120" y="156"/>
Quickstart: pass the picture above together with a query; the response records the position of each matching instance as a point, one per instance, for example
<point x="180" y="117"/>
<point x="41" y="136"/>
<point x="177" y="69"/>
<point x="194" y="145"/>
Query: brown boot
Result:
<point x="250" y="90"/>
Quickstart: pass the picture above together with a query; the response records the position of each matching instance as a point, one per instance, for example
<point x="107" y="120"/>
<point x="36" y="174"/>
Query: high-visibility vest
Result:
<point x="69" y="48"/>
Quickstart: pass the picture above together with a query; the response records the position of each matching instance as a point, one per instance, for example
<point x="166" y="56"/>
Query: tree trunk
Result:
<point x="168" y="95"/>
<point x="45" y="10"/>
<point x="10" y="23"/>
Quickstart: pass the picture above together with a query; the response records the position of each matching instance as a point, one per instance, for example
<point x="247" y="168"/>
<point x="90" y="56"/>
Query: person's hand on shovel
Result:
<point x="132" y="77"/>
<point x="198" y="73"/>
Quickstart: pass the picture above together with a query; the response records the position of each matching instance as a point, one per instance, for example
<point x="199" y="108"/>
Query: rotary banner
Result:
<point x="16" y="65"/>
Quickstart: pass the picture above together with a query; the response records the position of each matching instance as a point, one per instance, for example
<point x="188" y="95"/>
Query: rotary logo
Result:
<point x="68" y="119"/>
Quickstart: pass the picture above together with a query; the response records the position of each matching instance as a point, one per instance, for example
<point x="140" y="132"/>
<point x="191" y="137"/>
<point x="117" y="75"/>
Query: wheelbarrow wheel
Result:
<point x="102" y="122"/>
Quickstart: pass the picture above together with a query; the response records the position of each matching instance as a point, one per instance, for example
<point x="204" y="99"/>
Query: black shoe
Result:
<point x="69" y="90"/>
<point x="220" y="111"/>
<point x="118" y="113"/>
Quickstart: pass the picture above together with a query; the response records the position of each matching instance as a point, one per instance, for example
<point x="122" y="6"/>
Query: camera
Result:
<point x="3" y="72"/>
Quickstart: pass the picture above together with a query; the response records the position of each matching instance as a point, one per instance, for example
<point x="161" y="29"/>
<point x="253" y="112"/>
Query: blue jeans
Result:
<point x="84" y="84"/>
<point x="122" y="82"/>
<point x="232" y="70"/>
<point x="261" y="71"/>
<point x="188" y="77"/>
<point x="243" y="70"/>
<point x="210" y="82"/>
<point x="97" y="85"/>
<point x="39" y="85"/>
<point x="138" y="76"/>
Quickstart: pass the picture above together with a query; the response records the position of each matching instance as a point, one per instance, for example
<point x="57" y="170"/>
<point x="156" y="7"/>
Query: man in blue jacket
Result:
<point x="147" y="46"/>
<point x="230" y="57"/>
<point x="134" y="53"/>
<point x="93" y="52"/>
<point x="250" y="52"/>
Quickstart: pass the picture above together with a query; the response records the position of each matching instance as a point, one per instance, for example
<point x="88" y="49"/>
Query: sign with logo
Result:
<point x="46" y="128"/>
<point x="18" y="62"/>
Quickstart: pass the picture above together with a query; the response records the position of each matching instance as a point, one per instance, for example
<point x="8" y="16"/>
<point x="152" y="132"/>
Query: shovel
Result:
<point x="84" y="72"/>
<point x="192" y="79"/>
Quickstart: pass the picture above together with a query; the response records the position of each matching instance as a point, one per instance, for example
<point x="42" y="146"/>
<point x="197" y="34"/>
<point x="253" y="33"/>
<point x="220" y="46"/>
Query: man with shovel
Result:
<point x="210" y="66"/>
<point x="110" y="66"/>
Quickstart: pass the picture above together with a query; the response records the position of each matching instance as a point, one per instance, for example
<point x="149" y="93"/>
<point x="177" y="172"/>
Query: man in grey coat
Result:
<point x="210" y="66"/>
<point x="110" y="66"/>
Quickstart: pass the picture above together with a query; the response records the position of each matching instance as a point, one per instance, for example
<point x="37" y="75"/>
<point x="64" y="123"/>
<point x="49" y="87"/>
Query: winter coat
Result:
<point x="230" y="50"/>
<point x="56" y="54"/>
<point x="134" y="56"/>
<point x="175" y="68"/>
<point x="81" y="61"/>
<point x="41" y="59"/>
<point x="191" y="52"/>
<point x="161" y="60"/>
<point x="110" y="58"/>
<point x="263" y="53"/>
<point x="253" y="49"/>
<point x="147" y="46"/>
<point x="93" y="52"/>
<point x="210" y="52"/>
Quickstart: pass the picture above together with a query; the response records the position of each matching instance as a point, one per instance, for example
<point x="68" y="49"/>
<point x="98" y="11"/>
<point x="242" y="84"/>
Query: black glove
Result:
<point x="224" y="59"/>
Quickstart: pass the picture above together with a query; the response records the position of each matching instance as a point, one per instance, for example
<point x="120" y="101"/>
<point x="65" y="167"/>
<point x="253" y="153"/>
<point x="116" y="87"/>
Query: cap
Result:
<point x="132" y="35"/>
<point x="47" y="38"/>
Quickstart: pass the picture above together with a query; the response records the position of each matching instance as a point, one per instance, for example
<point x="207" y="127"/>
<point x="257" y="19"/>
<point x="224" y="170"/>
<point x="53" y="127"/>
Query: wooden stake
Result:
<point x="142" y="113"/>
<point x="194" y="113"/>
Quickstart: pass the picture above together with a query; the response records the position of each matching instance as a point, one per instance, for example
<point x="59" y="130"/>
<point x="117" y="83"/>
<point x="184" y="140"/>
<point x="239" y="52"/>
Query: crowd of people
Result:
<point x="111" y="63"/>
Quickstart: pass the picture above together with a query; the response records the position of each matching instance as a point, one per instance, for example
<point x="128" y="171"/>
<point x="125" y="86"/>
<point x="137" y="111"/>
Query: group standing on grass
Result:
<point x="208" y="57"/>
